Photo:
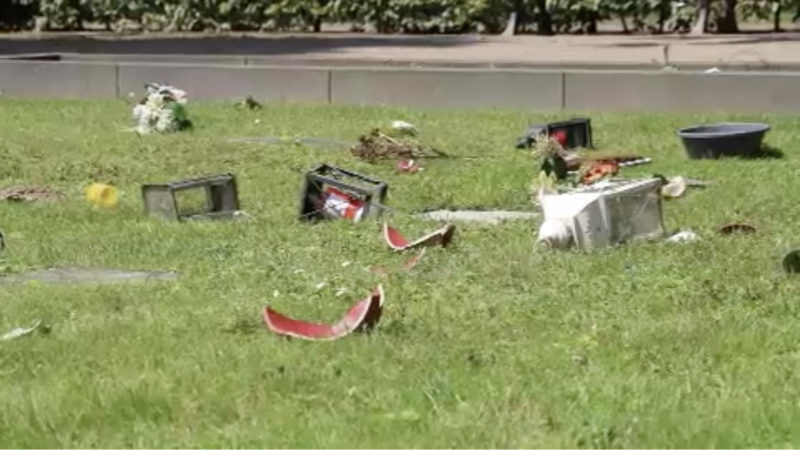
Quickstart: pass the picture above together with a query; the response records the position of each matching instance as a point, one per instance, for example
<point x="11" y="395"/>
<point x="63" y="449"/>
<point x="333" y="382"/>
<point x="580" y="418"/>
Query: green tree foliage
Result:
<point x="388" y="16"/>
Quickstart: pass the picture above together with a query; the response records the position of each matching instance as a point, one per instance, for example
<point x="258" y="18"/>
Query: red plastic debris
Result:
<point x="408" y="265"/>
<point x="407" y="165"/>
<point x="397" y="241"/>
<point x="599" y="170"/>
<point x="362" y="316"/>
<point x="560" y="136"/>
<point x="341" y="204"/>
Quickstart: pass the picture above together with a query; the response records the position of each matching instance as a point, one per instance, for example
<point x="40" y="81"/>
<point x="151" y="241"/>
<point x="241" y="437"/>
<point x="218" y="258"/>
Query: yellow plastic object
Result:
<point x="100" y="194"/>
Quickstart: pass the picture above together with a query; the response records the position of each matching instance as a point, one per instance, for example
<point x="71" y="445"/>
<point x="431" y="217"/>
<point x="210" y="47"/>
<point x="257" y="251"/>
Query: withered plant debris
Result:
<point x="377" y="146"/>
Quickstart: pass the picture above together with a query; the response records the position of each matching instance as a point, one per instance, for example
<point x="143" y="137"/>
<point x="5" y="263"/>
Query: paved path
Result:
<point x="752" y="49"/>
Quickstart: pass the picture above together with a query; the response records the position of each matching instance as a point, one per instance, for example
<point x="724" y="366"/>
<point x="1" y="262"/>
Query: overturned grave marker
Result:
<point x="74" y="275"/>
<point x="333" y="193"/>
<point x="199" y="198"/>
<point x="604" y="214"/>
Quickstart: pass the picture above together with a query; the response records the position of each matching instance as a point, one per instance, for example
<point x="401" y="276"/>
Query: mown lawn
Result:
<point x="488" y="343"/>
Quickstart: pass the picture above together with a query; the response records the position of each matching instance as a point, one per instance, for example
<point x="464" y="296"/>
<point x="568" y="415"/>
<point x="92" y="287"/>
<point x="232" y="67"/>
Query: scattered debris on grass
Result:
<point x="675" y="187"/>
<point x="791" y="262"/>
<point x="300" y="141"/>
<point x="397" y="241"/>
<point x="334" y="193"/>
<point x="569" y="134"/>
<point x="29" y="194"/>
<point x="101" y="194"/>
<point x="737" y="227"/>
<point x="683" y="236"/>
<point x="408" y="265"/>
<point x="361" y="317"/>
<point x="20" y="332"/>
<point x="74" y="275"/>
<point x="215" y="197"/>
<point x="605" y="214"/>
<point x="492" y="217"/>
<point x="377" y="146"/>
<point x="249" y="103"/>
<point x="162" y="110"/>
<point x="407" y="165"/>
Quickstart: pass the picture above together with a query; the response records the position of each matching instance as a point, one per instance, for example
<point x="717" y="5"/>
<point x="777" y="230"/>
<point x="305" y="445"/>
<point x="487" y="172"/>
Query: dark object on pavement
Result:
<point x="573" y="133"/>
<point x="332" y="192"/>
<point x="723" y="139"/>
<point x="212" y="197"/>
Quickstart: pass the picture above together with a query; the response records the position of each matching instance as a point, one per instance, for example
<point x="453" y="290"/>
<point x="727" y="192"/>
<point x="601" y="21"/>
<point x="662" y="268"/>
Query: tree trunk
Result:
<point x="701" y="25"/>
<point x="664" y="11"/>
<point x="624" y="24"/>
<point x="727" y="22"/>
<point x="544" y="23"/>
<point x="777" y="9"/>
<point x="317" y="24"/>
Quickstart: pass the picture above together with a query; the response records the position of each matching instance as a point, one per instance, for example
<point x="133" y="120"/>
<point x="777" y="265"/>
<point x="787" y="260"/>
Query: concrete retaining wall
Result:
<point x="437" y="87"/>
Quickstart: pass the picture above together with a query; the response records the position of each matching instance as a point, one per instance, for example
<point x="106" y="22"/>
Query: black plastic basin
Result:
<point x="723" y="139"/>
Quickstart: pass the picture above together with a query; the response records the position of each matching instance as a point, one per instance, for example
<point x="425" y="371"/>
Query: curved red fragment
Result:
<point x="362" y="316"/>
<point x="408" y="265"/>
<point x="397" y="241"/>
<point x="393" y="237"/>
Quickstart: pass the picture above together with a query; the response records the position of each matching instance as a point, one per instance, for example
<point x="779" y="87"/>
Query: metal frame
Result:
<point x="568" y="126"/>
<point x="325" y="174"/>
<point x="222" y="197"/>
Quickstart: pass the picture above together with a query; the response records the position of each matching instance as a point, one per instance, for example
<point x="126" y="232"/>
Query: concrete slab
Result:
<point x="205" y="82"/>
<point x="57" y="80"/>
<point x="447" y="88"/>
<point x="774" y="92"/>
<point x="74" y="275"/>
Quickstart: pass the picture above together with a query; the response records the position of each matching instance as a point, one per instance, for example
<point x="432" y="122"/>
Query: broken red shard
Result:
<point x="398" y="242"/>
<point x="362" y="316"/>
<point x="408" y="265"/>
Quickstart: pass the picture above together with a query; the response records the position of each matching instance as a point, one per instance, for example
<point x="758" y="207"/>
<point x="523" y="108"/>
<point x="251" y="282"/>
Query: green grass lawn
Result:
<point x="488" y="343"/>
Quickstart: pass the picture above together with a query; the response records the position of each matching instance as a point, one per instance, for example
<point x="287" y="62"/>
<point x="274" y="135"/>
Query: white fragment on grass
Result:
<point x="257" y="121"/>
<point x="20" y="332"/>
<point x="346" y="263"/>
<point x="297" y="271"/>
<point x="675" y="187"/>
<point x="340" y="292"/>
<point x="683" y="236"/>
<point x="321" y="285"/>
<point x="275" y="293"/>
<point x="403" y="126"/>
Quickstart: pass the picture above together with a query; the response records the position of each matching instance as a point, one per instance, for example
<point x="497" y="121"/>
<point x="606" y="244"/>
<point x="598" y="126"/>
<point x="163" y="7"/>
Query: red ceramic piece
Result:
<point x="362" y="316"/>
<point x="397" y="241"/>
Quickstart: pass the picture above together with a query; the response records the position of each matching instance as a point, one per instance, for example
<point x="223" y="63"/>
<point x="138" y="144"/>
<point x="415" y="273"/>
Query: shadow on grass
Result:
<point x="768" y="152"/>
